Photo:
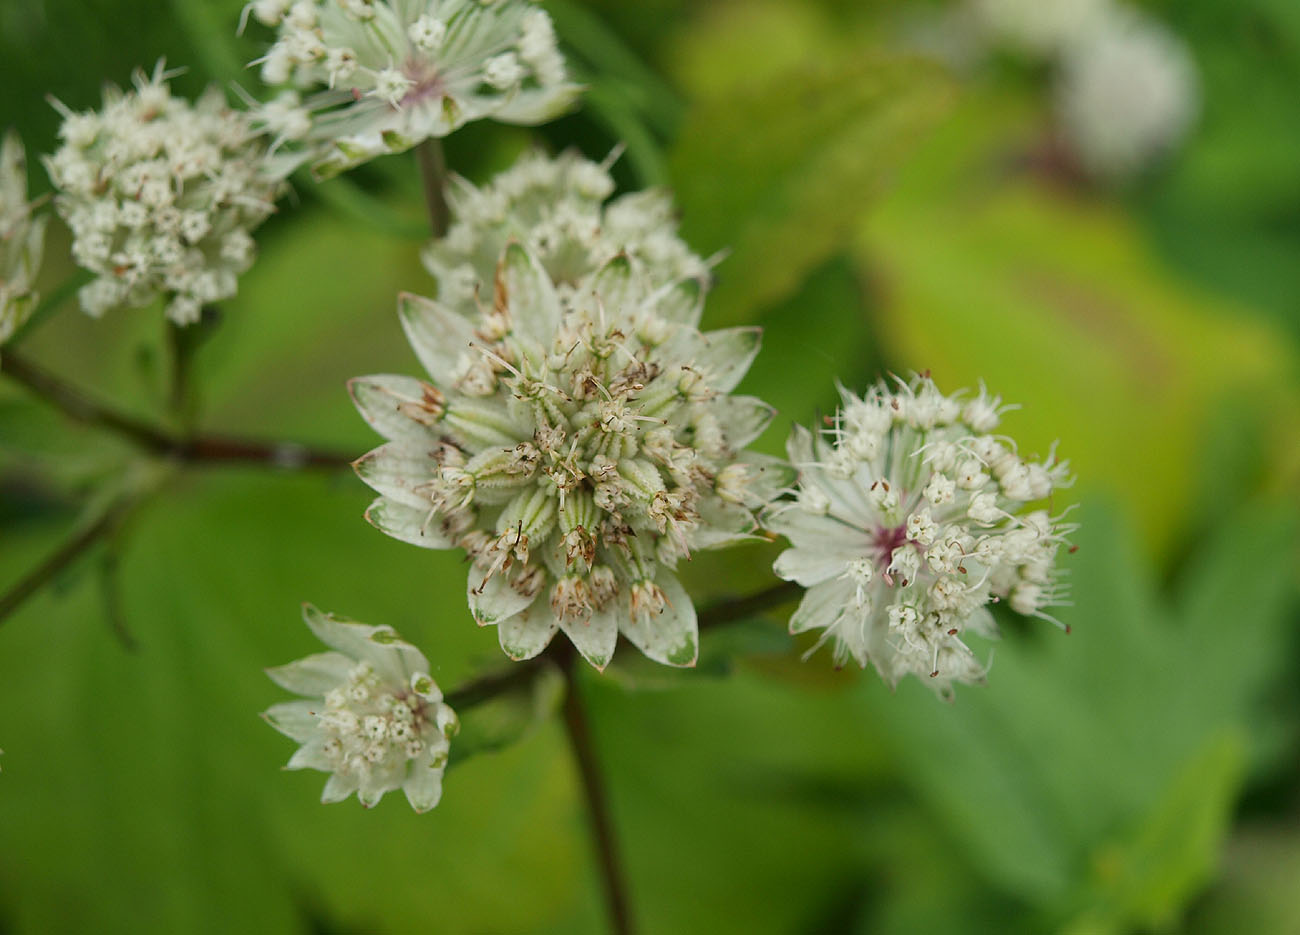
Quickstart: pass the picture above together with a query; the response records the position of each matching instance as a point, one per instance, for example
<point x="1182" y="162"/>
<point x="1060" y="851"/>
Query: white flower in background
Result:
<point x="577" y="451"/>
<point x="22" y="239"/>
<point x="909" y="519"/>
<point x="1127" y="94"/>
<point x="373" y="717"/>
<point x="384" y="75"/>
<point x="1039" y="28"/>
<point x="161" y="196"/>
<point x="556" y="207"/>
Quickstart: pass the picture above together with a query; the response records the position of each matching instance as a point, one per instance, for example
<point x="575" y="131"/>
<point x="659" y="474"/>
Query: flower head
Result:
<point x="22" y="239"/>
<point x="1127" y="94"/>
<point x="909" y="519"/>
<point x="384" y="75"/>
<point x="576" y="450"/>
<point x="556" y="206"/>
<point x="373" y="717"/>
<point x="161" y="196"/>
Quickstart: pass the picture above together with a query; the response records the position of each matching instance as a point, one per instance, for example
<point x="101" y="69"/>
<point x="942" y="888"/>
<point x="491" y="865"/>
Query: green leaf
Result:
<point x="1147" y="880"/>
<point x="779" y="171"/>
<point x="1119" y="747"/>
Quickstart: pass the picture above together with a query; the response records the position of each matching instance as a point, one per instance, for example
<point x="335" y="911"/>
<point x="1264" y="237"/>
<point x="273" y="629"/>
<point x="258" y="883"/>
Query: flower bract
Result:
<point x="372" y="717"/>
<point x="22" y="239"/>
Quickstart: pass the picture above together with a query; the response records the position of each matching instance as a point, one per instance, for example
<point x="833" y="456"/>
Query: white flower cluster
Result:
<point x="1126" y="88"/>
<point x="373" y="717"/>
<point x="384" y="75"/>
<point x="576" y="450"/>
<point x="1040" y="28"/>
<point x="161" y="196"/>
<point x="556" y="207"/>
<point x="908" y="522"/>
<point x="1127" y="94"/>
<point x="22" y="239"/>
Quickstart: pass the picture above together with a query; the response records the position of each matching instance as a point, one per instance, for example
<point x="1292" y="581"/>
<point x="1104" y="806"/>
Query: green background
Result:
<point x="1138" y="775"/>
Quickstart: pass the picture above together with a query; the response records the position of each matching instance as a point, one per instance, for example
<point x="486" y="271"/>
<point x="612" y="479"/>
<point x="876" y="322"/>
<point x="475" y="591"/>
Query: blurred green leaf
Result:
<point x="1146" y="881"/>
<point x="1056" y="301"/>
<point x="780" y="170"/>
<point x="1118" y="747"/>
<point x="609" y="57"/>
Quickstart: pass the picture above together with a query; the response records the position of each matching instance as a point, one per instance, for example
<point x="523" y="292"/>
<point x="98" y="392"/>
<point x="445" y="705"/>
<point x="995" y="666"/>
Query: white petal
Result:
<point x="681" y="302"/>
<point x="338" y="788"/>
<point x="617" y="287"/>
<point x="526" y="289"/>
<point x="310" y="755"/>
<point x="768" y="477"/>
<point x="822" y="606"/>
<point x="397" y="407"/>
<point x="313" y="676"/>
<point x="812" y="531"/>
<point x="418" y="527"/>
<point x="493" y="600"/>
<point x="672" y="637"/>
<point x="595" y="638"/>
<point x="525" y="635"/>
<point x="294" y="719"/>
<point x="808" y="566"/>
<point x="396" y="470"/>
<point x="724" y="356"/>
<point x="437" y="334"/>
<point x="350" y="638"/>
<point x="423" y="786"/>
<point x="743" y="418"/>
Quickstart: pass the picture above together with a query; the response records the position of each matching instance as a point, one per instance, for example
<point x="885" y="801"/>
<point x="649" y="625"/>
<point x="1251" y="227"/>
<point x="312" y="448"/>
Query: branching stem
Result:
<point x="433" y="173"/>
<point x="199" y="449"/>
<point x="578" y="730"/>
<point x="65" y="555"/>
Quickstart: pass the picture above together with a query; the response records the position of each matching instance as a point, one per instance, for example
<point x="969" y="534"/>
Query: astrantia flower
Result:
<point x="161" y="196"/>
<point x="1127" y="94"/>
<point x="577" y="451"/>
<point x="373" y="718"/>
<point x="909" y="520"/>
<point x="22" y="239"/>
<point x="556" y="207"/>
<point x="384" y="75"/>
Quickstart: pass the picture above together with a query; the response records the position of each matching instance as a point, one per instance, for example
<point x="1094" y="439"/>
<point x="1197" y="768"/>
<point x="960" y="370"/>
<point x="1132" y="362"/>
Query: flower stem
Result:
<point x="199" y="449"/>
<point x="579" y="733"/>
<point x="80" y="408"/>
<point x="741" y="608"/>
<point x="433" y="173"/>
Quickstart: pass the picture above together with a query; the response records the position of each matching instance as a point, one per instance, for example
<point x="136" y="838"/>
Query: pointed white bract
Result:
<point x="910" y="517"/>
<point x="380" y="76"/>
<point x="1127" y="94"/>
<point x="161" y="196"/>
<point x="576" y="448"/>
<point x="556" y="207"/>
<point x="22" y="239"/>
<point x="372" y="717"/>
